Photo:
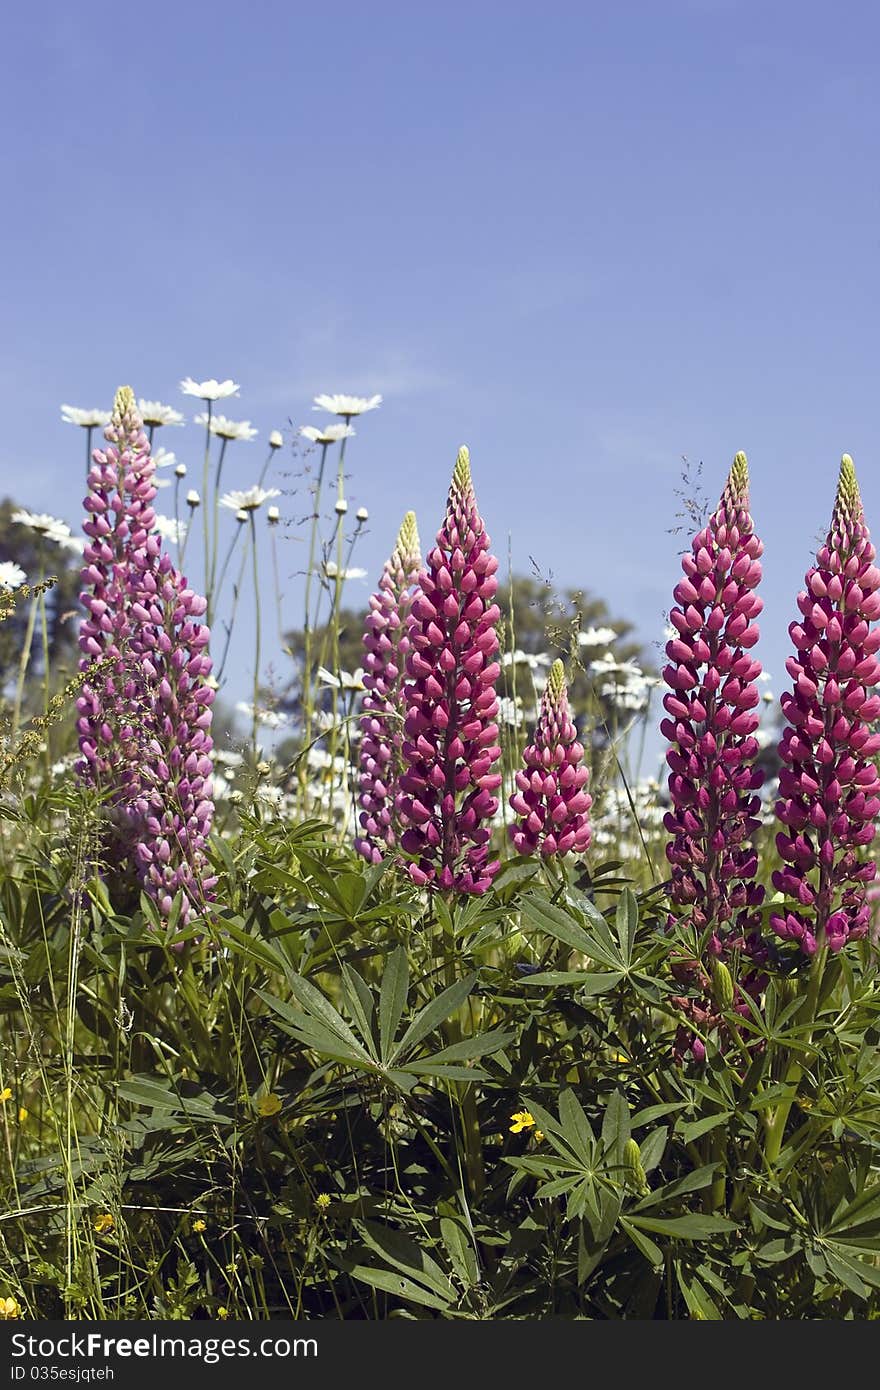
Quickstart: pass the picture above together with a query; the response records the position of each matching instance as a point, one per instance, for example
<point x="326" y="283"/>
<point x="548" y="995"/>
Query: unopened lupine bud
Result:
<point x="632" y="1163"/>
<point x="551" y="802"/>
<point x="450" y="737"/>
<point x="386" y="644"/>
<point x="829" y="785"/>
<point x="722" y="984"/>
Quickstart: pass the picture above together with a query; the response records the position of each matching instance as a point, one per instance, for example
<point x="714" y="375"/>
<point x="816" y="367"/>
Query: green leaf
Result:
<point x="652" y="1253"/>
<point x="693" y="1226"/>
<point x="400" y="1285"/>
<point x="359" y="1002"/>
<point x="392" y="998"/>
<point x="434" y="1013"/>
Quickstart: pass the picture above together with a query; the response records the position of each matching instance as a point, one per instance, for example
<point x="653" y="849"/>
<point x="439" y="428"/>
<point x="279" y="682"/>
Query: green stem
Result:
<point x="306" y="696"/>
<point x="776" y="1125"/>
<point x="23" y="665"/>
<point x="215" y="507"/>
<point x="256" y="633"/>
<point x="206" y="477"/>
<point x="235" y="597"/>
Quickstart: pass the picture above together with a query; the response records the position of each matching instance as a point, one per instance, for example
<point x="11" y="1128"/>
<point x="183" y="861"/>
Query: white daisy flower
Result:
<point x="155" y="413"/>
<point x="346" y="680"/>
<point x="12" y="576"/>
<point x="272" y="719"/>
<point x="228" y="429"/>
<point x="164" y="458"/>
<point x="347" y="405"/>
<point x="86" y="419"/>
<point x="273" y="516"/>
<point x="597" y="637"/>
<point x="192" y="498"/>
<point x="330" y="434"/>
<point x="331" y="570"/>
<point x="170" y="529"/>
<point x="45" y="525"/>
<point x="210" y="390"/>
<point x="276" y="439"/>
<point x="534" y="660"/>
<point x="250" y="500"/>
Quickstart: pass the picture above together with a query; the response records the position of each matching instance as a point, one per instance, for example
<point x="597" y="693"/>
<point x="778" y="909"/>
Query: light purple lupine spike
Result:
<point x="144" y="723"/>
<point x="829" y="787"/>
<point x="450" y="744"/>
<point x="386" y="643"/>
<point x="551" y="802"/>
<point x="712" y="721"/>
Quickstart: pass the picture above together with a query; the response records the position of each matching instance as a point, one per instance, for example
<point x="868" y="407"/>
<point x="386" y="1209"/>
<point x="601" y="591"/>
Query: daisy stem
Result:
<point x="265" y="468"/>
<point x="181" y="545"/>
<point x="216" y="510"/>
<point x="272" y="531"/>
<point x="256" y="632"/>
<point x="307" y="628"/>
<point x="337" y="600"/>
<point x="235" y="597"/>
<point x="44" y="633"/>
<point x="23" y="665"/>
<point x="206" y="474"/>
<point x="89" y="429"/>
<point x="225" y="566"/>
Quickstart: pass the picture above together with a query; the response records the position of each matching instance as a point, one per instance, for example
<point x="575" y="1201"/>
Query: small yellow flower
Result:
<point x="199" y="1226"/>
<point x="323" y="1200"/>
<point x="9" y="1308"/>
<point x="5" y="1095"/>
<point x="539" y="1135"/>
<point x="22" y="1115"/>
<point x="104" y="1223"/>
<point x="222" y="1313"/>
<point x="521" y="1120"/>
<point x="268" y="1105"/>
<point x="622" y="1058"/>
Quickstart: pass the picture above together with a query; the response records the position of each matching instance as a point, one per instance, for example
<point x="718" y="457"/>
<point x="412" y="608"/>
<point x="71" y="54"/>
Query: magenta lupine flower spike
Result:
<point x="551" y="801"/>
<point x="144" y="721"/>
<point x="450" y="736"/>
<point x="712" y="721"/>
<point x="829" y="787"/>
<point x="386" y="643"/>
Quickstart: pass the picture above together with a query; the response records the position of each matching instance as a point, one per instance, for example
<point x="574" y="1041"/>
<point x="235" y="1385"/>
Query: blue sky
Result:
<point x="585" y="239"/>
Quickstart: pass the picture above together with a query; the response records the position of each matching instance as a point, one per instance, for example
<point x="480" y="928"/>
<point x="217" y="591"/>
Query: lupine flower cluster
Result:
<point x="386" y="644"/>
<point x="830" y="790"/>
<point x="714" y="811"/>
<point x="144" y="722"/>
<point x="711" y="707"/>
<point x="551" y="803"/>
<point x="450" y="744"/>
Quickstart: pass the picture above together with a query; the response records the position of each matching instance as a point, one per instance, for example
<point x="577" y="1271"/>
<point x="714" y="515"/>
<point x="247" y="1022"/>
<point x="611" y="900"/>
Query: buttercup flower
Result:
<point x="268" y="1105"/>
<point x="104" y="1223"/>
<point x="522" y="1119"/>
<point x="209" y="390"/>
<point x="829" y="785"/>
<point x="323" y="1201"/>
<point x="450" y="746"/>
<point x="10" y="1309"/>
